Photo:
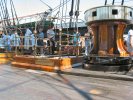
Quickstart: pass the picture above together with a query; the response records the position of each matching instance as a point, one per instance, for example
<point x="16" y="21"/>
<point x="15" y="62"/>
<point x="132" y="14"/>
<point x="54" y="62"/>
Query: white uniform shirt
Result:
<point x="50" y="34"/>
<point x="15" y="39"/>
<point x="33" y="40"/>
<point x="6" y="39"/>
<point x="130" y="45"/>
<point x="27" y="39"/>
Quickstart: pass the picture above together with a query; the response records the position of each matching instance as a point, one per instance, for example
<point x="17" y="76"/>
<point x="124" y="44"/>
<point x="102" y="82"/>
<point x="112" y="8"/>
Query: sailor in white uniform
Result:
<point x="15" y="40"/>
<point x="33" y="41"/>
<point x="27" y="39"/>
<point x="130" y="40"/>
<point x="51" y="41"/>
<point x="6" y="39"/>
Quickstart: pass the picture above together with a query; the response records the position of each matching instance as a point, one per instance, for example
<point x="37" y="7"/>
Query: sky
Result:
<point x="28" y="7"/>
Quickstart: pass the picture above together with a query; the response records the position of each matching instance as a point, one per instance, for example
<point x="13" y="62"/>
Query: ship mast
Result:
<point x="105" y="2"/>
<point x="77" y="14"/>
<point x="122" y="2"/>
<point x="8" y="19"/>
<point x="71" y="14"/>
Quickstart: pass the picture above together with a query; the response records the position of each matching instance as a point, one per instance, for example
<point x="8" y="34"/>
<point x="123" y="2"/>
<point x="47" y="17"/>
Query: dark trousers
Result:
<point x="51" y="45"/>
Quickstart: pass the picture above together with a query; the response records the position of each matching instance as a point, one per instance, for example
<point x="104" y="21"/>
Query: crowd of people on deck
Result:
<point x="12" y="40"/>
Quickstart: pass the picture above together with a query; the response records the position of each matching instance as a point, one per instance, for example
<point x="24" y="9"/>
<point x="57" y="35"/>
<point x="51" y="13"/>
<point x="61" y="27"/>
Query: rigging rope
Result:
<point x="60" y="5"/>
<point x="62" y="13"/>
<point x="105" y="2"/>
<point x="59" y="12"/>
<point x="77" y="13"/>
<point x="113" y="2"/>
<point x="122" y="2"/>
<point x="65" y="11"/>
<point x="3" y="15"/>
<point x="7" y="14"/>
<point x="71" y="13"/>
<point x="65" y="17"/>
<point x="1" y="5"/>
<point x="12" y="13"/>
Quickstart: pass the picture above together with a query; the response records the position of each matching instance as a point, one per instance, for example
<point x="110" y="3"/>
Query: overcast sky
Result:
<point x="28" y="7"/>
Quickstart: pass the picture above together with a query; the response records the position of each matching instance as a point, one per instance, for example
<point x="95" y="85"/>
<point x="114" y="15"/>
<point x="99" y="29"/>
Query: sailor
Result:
<point x="87" y="35"/>
<point x="76" y="42"/>
<point x="33" y="41"/>
<point x="15" y="40"/>
<point x="27" y="39"/>
<point x="51" y="41"/>
<point x="6" y="39"/>
<point x="130" y="41"/>
<point x="76" y="38"/>
<point x="88" y="41"/>
<point x="40" y="42"/>
<point x="2" y="47"/>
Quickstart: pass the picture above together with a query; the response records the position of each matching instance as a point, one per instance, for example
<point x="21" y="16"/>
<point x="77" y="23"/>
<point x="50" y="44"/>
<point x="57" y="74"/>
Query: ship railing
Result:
<point x="64" y="46"/>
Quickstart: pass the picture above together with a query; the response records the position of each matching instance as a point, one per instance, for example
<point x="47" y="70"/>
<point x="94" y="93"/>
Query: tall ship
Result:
<point x="45" y="35"/>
